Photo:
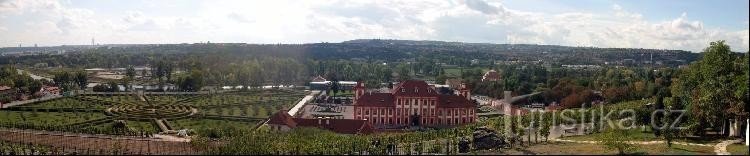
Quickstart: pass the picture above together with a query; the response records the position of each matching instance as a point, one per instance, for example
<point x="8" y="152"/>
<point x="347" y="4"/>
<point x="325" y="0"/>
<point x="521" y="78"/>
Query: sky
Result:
<point x="664" y="24"/>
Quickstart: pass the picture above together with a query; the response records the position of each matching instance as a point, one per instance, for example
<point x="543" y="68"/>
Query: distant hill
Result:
<point x="407" y="50"/>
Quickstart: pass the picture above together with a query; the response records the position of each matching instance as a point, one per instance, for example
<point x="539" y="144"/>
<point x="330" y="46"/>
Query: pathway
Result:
<point x="16" y="103"/>
<point x="634" y="142"/>
<point x="302" y="103"/>
<point x="721" y="148"/>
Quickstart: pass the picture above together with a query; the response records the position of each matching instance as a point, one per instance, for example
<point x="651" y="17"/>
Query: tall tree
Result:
<point x="711" y="87"/>
<point x="81" y="79"/>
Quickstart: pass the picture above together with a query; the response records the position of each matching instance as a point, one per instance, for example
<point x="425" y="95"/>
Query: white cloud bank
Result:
<point x="55" y="22"/>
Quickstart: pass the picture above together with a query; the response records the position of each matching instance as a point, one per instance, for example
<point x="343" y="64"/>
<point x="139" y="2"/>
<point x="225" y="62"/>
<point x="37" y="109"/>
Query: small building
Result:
<point x="491" y="75"/>
<point x="282" y="121"/>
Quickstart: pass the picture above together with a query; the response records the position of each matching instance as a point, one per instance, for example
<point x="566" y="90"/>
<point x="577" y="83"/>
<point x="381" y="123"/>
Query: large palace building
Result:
<point x="413" y="103"/>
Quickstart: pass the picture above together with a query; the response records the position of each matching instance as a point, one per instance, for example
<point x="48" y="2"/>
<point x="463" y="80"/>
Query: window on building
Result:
<point x="403" y="90"/>
<point x="367" y="112"/>
<point x="390" y="112"/>
<point x="398" y="111"/>
<point x="416" y="89"/>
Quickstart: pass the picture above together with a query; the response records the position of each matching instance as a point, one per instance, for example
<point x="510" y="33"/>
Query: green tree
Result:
<point x="714" y="88"/>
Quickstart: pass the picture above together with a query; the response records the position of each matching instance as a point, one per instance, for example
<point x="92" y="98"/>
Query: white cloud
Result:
<point x="55" y="22"/>
<point x="239" y="18"/>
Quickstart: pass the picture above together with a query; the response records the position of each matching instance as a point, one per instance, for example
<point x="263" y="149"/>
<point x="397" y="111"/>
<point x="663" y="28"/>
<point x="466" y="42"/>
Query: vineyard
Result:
<point x="138" y="116"/>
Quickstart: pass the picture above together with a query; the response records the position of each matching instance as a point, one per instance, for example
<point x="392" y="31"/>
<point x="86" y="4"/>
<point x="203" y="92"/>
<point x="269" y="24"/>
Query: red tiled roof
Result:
<point x="414" y="88"/>
<point x="376" y="100"/>
<point x="387" y="99"/>
<point x="282" y="118"/>
<point x="346" y="126"/>
<point x="453" y="101"/>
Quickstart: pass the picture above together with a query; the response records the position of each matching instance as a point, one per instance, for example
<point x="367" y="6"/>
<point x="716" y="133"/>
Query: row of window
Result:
<point x="425" y="121"/>
<point x="408" y="101"/>
<point x="407" y="111"/>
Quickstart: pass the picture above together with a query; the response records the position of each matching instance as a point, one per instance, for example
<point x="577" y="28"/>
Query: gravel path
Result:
<point x="721" y="148"/>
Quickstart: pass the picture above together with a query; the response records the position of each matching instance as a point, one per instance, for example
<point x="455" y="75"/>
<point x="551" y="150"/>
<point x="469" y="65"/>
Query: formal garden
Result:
<point x="143" y="115"/>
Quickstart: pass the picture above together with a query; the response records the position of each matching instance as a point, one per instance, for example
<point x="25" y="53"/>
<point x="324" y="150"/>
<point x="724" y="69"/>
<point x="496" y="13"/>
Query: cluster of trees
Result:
<point x="70" y="80"/>
<point x="19" y="83"/>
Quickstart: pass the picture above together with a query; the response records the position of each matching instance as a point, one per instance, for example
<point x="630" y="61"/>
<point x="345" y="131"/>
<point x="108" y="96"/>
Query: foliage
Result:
<point x="616" y="139"/>
<point x="714" y="88"/>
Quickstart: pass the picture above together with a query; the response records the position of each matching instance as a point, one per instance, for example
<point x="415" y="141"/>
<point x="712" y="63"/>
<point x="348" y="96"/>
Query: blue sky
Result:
<point x="730" y="14"/>
<point x="660" y="24"/>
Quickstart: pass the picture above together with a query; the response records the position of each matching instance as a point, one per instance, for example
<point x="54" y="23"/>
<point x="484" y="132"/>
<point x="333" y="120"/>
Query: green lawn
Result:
<point x="452" y="72"/>
<point x="737" y="149"/>
<point x="637" y="134"/>
<point x="564" y="148"/>
<point x="143" y="126"/>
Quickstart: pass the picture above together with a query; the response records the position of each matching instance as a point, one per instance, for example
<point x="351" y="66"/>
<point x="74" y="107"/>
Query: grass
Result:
<point x="737" y="149"/>
<point x="565" y="148"/>
<point x="636" y="134"/>
<point x="452" y="72"/>
<point x="47" y="118"/>
<point x="66" y="103"/>
<point x="209" y="123"/>
<point x="142" y="126"/>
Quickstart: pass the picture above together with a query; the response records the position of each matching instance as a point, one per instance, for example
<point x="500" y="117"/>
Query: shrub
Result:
<point x="615" y="138"/>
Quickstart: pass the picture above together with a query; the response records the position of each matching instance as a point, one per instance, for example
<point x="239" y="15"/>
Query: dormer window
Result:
<point x="403" y="90"/>
<point x="416" y="89"/>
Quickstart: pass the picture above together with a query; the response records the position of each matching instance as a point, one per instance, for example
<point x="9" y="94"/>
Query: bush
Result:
<point x="615" y="138"/>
